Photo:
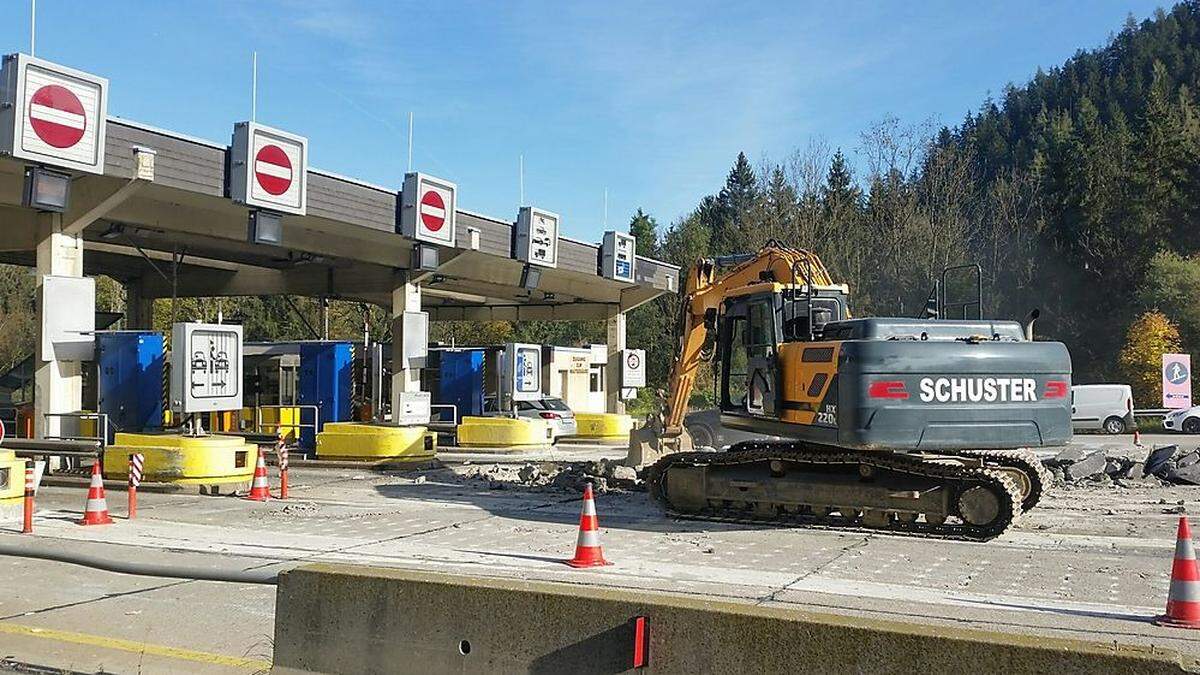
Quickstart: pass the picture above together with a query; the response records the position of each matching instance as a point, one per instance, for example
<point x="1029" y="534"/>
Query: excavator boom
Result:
<point x="706" y="288"/>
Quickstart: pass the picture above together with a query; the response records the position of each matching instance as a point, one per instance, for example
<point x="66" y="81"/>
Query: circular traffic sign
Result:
<point x="1176" y="372"/>
<point x="632" y="360"/>
<point x="273" y="169"/>
<point x="433" y="210"/>
<point x="57" y="116"/>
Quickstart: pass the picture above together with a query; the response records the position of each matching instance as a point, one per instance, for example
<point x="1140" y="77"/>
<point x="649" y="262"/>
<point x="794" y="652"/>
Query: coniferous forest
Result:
<point x="1078" y="193"/>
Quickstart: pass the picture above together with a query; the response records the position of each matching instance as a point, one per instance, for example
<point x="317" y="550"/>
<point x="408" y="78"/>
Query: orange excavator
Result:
<point x="920" y="426"/>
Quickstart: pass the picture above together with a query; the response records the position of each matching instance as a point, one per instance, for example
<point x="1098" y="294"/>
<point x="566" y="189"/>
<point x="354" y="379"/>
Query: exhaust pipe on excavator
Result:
<point x="1029" y="319"/>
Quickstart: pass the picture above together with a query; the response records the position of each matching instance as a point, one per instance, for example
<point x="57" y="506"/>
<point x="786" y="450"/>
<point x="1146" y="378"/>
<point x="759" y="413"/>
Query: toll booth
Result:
<point x="457" y="377"/>
<point x="325" y="382"/>
<point x="129" y="380"/>
<point x="576" y="375"/>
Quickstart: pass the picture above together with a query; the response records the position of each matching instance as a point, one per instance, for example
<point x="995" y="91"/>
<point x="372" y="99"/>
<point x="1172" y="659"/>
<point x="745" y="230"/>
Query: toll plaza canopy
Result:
<point x="180" y="234"/>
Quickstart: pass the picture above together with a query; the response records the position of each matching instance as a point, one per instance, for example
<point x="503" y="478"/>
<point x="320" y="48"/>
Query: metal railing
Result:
<point x="441" y="424"/>
<point x="259" y="425"/>
<point x="101" y="427"/>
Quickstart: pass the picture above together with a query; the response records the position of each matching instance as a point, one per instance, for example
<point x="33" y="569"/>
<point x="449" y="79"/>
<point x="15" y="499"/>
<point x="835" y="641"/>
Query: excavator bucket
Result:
<point x="648" y="443"/>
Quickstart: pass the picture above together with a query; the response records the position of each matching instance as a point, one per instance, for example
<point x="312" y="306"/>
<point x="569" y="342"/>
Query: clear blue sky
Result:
<point x="650" y="100"/>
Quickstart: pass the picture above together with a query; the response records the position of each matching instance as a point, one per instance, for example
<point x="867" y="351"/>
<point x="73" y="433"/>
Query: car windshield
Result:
<point x="555" y="404"/>
<point x="523" y="406"/>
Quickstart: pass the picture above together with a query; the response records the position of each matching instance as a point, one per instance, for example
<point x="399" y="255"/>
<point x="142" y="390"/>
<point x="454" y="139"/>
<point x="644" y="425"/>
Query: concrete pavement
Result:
<point x="1091" y="562"/>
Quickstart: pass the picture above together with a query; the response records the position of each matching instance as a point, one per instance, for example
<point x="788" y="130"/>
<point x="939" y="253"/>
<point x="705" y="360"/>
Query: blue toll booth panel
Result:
<point x="129" y="383"/>
<point x="325" y="381"/>
<point x="460" y="381"/>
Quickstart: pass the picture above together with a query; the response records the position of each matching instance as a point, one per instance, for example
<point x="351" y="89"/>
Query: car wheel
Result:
<point x="1114" y="425"/>
<point x="702" y="436"/>
<point x="1191" y="425"/>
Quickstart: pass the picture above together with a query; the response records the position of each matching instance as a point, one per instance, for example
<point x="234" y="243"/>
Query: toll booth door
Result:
<point x="460" y="382"/>
<point x="129" y="386"/>
<point x="325" y="382"/>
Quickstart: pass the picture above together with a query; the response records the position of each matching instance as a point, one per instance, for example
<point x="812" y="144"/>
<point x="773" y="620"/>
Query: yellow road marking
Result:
<point x="133" y="646"/>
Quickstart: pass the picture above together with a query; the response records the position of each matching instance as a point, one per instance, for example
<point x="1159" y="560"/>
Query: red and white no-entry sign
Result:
<point x="273" y="169"/>
<point x="270" y="168"/>
<point x="427" y="209"/>
<point x="56" y="114"/>
<point x="433" y="210"/>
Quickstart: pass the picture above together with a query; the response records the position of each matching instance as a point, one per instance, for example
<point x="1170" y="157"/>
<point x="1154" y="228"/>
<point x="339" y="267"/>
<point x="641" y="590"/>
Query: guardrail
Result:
<point x="1152" y="412"/>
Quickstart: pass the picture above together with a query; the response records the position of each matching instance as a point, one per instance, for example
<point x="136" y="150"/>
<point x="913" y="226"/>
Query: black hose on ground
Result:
<point x="28" y="547"/>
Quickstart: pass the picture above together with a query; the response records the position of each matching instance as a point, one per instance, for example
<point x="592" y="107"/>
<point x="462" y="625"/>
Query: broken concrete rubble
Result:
<point x="1126" y="466"/>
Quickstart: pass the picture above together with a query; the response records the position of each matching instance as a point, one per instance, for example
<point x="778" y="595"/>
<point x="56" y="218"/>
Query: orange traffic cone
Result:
<point x="587" y="548"/>
<point x="95" y="512"/>
<point x="1183" y="600"/>
<point x="259" y="490"/>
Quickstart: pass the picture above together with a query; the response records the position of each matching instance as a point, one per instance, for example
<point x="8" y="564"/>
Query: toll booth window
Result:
<point x="596" y="380"/>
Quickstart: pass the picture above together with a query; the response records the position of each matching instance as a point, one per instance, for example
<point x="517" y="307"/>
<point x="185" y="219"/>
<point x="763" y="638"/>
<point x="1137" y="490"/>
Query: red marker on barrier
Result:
<point x="27" y="524"/>
<point x="136" y="461"/>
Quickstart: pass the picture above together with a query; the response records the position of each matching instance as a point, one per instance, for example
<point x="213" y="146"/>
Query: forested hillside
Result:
<point x="1078" y="192"/>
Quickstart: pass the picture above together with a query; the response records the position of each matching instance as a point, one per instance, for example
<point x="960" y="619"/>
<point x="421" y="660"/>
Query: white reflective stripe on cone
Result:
<point x="1184" y="549"/>
<point x="588" y="539"/>
<point x="589" y="507"/>
<point x="1184" y="591"/>
<point x="94" y="505"/>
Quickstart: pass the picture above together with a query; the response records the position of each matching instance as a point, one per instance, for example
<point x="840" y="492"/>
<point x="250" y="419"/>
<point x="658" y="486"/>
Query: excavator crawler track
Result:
<point x="1024" y="461"/>
<point x="800" y="484"/>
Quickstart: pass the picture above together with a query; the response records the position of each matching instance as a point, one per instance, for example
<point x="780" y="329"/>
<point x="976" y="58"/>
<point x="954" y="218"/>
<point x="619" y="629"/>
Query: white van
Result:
<point x="1107" y="407"/>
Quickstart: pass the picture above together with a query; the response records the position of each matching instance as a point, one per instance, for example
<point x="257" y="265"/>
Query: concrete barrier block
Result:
<point x="362" y="441"/>
<point x="503" y="432"/>
<point x="603" y="426"/>
<point x="187" y="460"/>
<point x="346" y="619"/>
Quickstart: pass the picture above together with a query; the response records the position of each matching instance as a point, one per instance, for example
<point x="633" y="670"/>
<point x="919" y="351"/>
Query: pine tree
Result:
<point x="841" y="195"/>
<point x="645" y="229"/>
<point x="730" y="214"/>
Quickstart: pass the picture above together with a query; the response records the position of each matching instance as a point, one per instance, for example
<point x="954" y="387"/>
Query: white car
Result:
<point x="1186" y="420"/>
<point x="1104" y="407"/>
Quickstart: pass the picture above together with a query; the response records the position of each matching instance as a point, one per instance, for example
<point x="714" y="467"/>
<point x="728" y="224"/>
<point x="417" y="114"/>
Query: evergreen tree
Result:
<point x="841" y="195"/>
<point x="645" y="228"/>
<point x="730" y="212"/>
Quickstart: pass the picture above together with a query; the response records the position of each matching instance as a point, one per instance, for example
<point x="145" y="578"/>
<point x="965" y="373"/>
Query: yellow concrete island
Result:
<point x="503" y="433"/>
<point x="12" y="478"/>
<point x="190" y="460"/>
<point x="359" y="441"/>
<point x="603" y="427"/>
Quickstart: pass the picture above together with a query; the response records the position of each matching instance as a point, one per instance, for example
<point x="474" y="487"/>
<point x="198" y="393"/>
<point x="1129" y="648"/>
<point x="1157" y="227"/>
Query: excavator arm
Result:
<point x="710" y="281"/>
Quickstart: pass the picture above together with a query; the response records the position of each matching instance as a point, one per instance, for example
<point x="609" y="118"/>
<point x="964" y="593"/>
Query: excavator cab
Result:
<point x="751" y="328"/>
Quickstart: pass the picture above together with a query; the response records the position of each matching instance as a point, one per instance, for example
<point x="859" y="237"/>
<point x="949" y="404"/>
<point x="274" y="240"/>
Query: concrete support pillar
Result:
<point x="58" y="385"/>
<point x="616" y="343"/>
<point x="139" y="310"/>
<point x="405" y="298"/>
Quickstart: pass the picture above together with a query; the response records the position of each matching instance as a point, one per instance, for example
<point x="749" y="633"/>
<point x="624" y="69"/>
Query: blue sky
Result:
<point x="651" y="101"/>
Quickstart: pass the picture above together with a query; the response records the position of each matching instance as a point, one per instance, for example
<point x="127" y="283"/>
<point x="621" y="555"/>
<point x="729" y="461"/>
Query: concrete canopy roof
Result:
<point x="345" y="247"/>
